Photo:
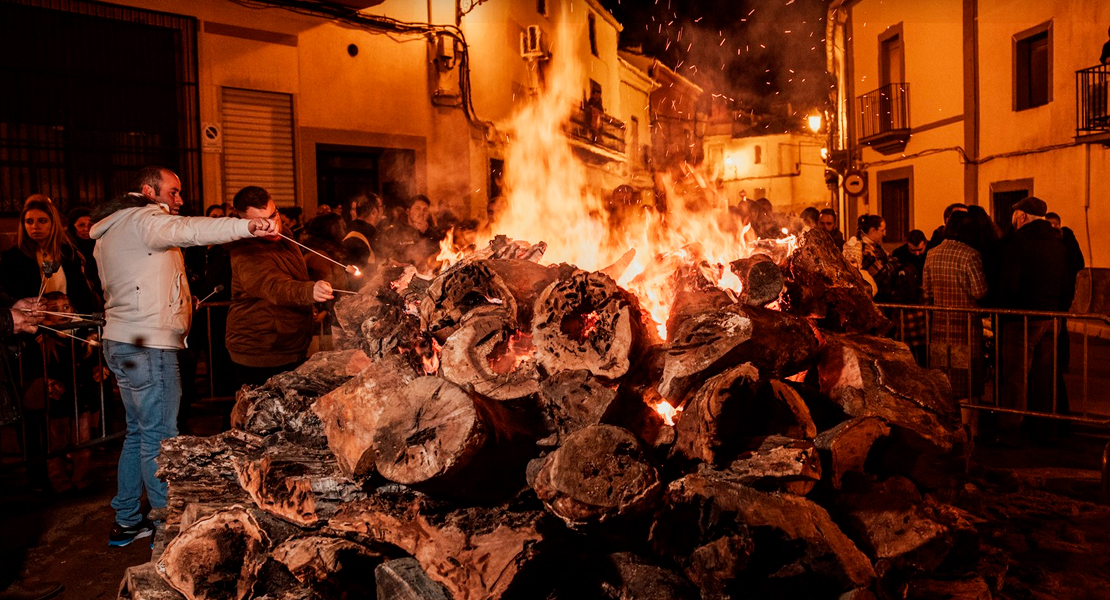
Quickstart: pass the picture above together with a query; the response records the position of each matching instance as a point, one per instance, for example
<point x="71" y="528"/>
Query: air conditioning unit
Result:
<point x="531" y="42"/>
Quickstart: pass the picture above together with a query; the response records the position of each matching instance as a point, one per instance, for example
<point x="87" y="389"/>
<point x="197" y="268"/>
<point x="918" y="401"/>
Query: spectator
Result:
<point x="361" y="243"/>
<point x="80" y="222"/>
<point x="986" y="238"/>
<point x="827" y="221"/>
<point x="291" y="222"/>
<point x="270" y="321"/>
<point x="148" y="310"/>
<point x="1033" y="278"/>
<point x="45" y="260"/>
<point x="1104" y="58"/>
<point x="938" y="233"/>
<point x="809" y="218"/>
<point x="215" y="211"/>
<point x="954" y="277"/>
<point x="913" y="251"/>
<point x="414" y="239"/>
<point x="1075" y="264"/>
<point x="873" y="257"/>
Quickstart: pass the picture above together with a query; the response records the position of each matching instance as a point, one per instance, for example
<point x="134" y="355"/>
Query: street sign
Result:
<point x="854" y="183"/>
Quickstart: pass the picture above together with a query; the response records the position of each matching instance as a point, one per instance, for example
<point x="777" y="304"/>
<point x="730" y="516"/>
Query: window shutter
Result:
<point x="258" y="143"/>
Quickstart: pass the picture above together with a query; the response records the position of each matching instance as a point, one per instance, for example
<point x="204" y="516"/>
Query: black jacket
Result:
<point x="22" y="278"/>
<point x="1034" y="268"/>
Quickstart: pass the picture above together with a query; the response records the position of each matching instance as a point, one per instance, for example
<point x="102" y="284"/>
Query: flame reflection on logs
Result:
<point x="667" y="411"/>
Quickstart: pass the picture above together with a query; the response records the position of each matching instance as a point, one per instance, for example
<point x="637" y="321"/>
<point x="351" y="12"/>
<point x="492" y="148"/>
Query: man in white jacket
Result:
<point x="148" y="309"/>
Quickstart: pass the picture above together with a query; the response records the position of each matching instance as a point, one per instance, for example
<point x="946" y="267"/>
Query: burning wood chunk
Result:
<point x="336" y="566"/>
<point x="301" y="485"/>
<point x="218" y="557"/>
<point x="585" y="321"/>
<point x="350" y="413"/>
<point x="599" y="473"/>
<point x="781" y="464"/>
<point x="821" y="284"/>
<point x="779" y="542"/>
<point x="633" y="576"/>
<point x="403" y="579"/>
<point x="572" y="400"/>
<point x="436" y="437"/>
<point x="735" y="411"/>
<point x="512" y="285"/>
<point x="761" y="279"/>
<point x="703" y="344"/>
<point x="489" y="354"/>
<point x="845" y="448"/>
<point x="474" y="553"/>
<point x="876" y="377"/>
<point x="283" y="402"/>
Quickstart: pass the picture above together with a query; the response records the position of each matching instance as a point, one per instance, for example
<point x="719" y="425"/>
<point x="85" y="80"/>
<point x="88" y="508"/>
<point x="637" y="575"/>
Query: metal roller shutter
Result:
<point x="258" y="143"/>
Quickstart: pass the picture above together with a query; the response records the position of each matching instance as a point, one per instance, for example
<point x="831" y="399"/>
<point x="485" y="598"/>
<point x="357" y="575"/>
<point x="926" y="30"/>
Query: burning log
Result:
<point x="512" y="285"/>
<point x="821" y="284"/>
<point x="489" y="354"/>
<point x="585" y="321"/>
<point x="704" y="344"/>
<point x="350" y="413"/>
<point x="598" y="474"/>
<point x="845" y="448"/>
<point x="700" y="510"/>
<point x="436" y="437"/>
<point x="475" y="553"/>
<point x="876" y="377"/>
<point x="222" y="556"/>
<point x="301" y="485"/>
<point x="780" y="464"/>
<point x="734" y="411"/>
<point x="760" y="277"/>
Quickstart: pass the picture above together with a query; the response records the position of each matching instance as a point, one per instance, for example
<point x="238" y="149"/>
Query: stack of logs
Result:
<point x="494" y="434"/>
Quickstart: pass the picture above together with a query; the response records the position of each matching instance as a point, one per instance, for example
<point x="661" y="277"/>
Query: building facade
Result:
<point x="975" y="101"/>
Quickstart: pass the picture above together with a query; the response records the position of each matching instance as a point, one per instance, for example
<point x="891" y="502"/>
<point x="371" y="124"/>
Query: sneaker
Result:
<point x="122" y="536"/>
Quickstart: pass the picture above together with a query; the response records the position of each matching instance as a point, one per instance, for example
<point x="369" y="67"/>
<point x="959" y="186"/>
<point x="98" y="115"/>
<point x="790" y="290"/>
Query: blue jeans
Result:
<point x="150" y="384"/>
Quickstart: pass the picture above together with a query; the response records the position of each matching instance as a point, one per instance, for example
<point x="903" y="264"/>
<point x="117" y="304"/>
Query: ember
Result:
<point x="667" y="411"/>
<point x="579" y="327"/>
<point x="510" y="353"/>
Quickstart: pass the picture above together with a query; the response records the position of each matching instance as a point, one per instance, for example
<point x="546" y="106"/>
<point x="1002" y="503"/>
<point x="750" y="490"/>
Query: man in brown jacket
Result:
<point x="269" y="324"/>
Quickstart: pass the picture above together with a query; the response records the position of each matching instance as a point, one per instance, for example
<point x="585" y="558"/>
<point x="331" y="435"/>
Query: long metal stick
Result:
<point x="67" y="334"/>
<point x="323" y="256"/>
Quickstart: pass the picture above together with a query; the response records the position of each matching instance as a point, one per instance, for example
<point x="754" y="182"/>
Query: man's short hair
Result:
<point x="915" y="237"/>
<point x="830" y="212"/>
<point x="810" y="215"/>
<point x="251" y="196"/>
<point x="1052" y="216"/>
<point x="951" y="208"/>
<point x="417" y="198"/>
<point x="364" y="204"/>
<point x="151" y="176"/>
<point x="1032" y="205"/>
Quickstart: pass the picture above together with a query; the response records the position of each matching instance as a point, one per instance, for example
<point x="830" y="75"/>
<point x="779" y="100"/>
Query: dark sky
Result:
<point x="760" y="52"/>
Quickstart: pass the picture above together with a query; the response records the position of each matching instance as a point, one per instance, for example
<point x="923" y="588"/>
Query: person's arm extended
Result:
<point x="162" y="231"/>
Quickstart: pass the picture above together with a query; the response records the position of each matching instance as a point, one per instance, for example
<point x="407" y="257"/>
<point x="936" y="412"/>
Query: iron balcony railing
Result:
<point x="883" y="111"/>
<point x="1092" y="98"/>
<point x="592" y="125"/>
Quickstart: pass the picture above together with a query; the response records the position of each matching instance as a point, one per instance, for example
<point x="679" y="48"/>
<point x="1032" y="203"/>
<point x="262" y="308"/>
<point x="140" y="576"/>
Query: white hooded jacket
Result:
<point x="146" y="294"/>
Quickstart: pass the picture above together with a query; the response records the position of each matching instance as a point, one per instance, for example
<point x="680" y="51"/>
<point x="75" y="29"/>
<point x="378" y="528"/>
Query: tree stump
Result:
<point x="760" y="277"/>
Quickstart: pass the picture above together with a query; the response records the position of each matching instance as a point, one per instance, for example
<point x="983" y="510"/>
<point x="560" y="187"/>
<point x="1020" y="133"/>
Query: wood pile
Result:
<point x="498" y="433"/>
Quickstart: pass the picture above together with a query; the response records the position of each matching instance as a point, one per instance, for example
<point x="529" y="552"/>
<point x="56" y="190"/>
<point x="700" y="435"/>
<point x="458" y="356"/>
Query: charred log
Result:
<point x="572" y="400"/>
<point x="780" y="464"/>
<point x="335" y="566"/>
<point x="844" y="448"/>
<point x="761" y="279"/>
<point x="490" y="355"/>
<point x="474" y="553"/>
<point x="584" y="321"/>
<point x="403" y="579"/>
<point x="703" y="344"/>
<point x="821" y="284"/>
<point x="598" y="474"/>
<point x="350" y="413"/>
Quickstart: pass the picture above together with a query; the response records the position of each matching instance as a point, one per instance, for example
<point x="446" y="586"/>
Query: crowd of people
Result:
<point x="969" y="263"/>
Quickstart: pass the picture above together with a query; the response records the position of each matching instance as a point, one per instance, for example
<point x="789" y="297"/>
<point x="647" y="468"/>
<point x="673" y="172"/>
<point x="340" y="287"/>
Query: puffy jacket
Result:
<point x="146" y="295"/>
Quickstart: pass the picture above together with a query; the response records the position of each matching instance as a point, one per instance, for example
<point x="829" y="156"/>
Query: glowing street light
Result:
<point x="814" y="123"/>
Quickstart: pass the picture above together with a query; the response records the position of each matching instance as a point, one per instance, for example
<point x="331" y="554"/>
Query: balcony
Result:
<point x="883" y="118"/>
<point x="1092" y="110"/>
<point x="599" y="132"/>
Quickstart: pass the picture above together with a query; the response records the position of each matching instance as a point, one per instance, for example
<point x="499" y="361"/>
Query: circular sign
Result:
<point x="854" y="183"/>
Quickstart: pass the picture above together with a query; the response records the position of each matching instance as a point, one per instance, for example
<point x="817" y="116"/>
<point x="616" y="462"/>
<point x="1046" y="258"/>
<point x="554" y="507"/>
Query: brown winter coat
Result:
<point x="270" y="320"/>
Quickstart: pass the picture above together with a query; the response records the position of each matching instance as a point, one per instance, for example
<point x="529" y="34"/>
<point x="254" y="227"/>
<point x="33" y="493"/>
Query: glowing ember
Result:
<point x="509" y="354"/>
<point x="667" y="411"/>
<point x="430" y="361"/>
<point x="580" y="327"/>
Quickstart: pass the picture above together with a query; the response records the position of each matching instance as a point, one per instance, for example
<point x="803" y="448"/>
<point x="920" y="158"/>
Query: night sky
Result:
<point x="760" y="53"/>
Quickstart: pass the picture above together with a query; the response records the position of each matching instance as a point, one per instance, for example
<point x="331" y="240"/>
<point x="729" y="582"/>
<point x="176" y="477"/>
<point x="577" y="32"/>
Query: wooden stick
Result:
<point x="67" y="334"/>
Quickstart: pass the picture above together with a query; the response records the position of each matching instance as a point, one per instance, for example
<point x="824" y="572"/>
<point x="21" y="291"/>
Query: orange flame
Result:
<point x="514" y="351"/>
<point x="430" y="361"/>
<point x="448" y="254"/>
<point x="668" y="412"/>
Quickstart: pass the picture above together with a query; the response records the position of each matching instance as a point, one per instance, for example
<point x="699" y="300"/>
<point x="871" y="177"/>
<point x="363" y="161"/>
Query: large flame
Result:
<point x="552" y="196"/>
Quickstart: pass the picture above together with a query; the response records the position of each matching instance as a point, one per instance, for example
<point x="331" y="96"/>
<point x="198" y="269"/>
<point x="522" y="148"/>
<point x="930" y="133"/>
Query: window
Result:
<point x="758" y="155"/>
<point x="592" y="21"/>
<point x="541" y="7"/>
<point x="258" y="143"/>
<point x="1033" y="67"/>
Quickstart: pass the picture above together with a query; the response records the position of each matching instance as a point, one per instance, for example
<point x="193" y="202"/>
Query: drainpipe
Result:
<point x="971" y="100"/>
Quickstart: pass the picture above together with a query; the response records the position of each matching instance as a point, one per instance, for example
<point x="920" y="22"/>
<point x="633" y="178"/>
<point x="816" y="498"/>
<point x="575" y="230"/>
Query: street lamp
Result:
<point x="814" y="122"/>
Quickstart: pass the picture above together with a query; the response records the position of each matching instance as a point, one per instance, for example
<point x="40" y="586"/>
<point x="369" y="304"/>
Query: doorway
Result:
<point x="343" y="172"/>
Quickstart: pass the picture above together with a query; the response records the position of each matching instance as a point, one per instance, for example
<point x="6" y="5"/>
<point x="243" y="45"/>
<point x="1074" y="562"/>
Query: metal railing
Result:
<point x="884" y="110"/>
<point x="1092" y="99"/>
<point x="594" y="126"/>
<point x="1000" y="337"/>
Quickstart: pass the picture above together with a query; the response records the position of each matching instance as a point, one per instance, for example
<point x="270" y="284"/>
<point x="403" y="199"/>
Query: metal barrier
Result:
<point x="1037" y="327"/>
